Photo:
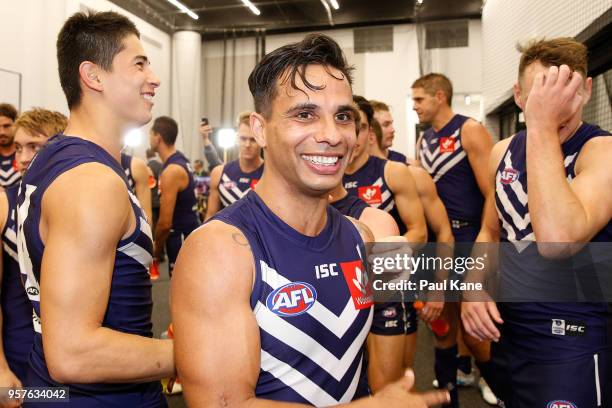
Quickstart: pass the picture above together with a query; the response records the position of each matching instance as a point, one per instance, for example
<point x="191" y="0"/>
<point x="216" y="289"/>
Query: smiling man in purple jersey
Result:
<point x="84" y="245"/>
<point x="283" y="265"/>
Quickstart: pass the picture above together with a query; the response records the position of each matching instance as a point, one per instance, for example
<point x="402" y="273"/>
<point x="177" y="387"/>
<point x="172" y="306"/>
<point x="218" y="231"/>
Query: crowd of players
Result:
<point x="266" y="301"/>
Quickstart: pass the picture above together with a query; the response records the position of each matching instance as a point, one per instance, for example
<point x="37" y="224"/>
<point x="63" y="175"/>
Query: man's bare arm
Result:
<point x="435" y="212"/>
<point x="218" y="365"/>
<point x="75" y="289"/>
<point x="214" y="200"/>
<point x="140" y="174"/>
<point x="172" y="179"/>
<point x="477" y="143"/>
<point x="407" y="201"/>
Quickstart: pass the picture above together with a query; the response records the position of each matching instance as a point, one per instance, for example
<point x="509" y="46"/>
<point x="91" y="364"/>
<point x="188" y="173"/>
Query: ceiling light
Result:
<point x="251" y="7"/>
<point x="420" y="1"/>
<point x="334" y="4"/>
<point x="183" y="8"/>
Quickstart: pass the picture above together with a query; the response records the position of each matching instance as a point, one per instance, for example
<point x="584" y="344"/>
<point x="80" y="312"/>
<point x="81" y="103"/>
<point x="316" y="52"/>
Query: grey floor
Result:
<point x="469" y="397"/>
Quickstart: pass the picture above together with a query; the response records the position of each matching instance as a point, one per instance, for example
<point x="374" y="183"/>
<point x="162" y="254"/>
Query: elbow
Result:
<point x="162" y="228"/>
<point x="558" y="250"/>
<point x="64" y="367"/>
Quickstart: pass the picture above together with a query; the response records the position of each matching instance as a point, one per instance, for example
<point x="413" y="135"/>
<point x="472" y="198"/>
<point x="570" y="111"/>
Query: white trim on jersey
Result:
<point x="302" y="385"/>
<point x="597" y="385"/>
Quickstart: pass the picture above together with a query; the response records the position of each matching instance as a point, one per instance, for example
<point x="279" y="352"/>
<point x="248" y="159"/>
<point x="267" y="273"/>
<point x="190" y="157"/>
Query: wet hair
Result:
<point x="364" y="105"/>
<point x="92" y="36"/>
<point x="290" y="61"/>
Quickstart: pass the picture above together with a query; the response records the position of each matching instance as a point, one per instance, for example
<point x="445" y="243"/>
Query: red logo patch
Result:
<point x="370" y="194"/>
<point x="509" y="175"/>
<point x="357" y="280"/>
<point x="254" y="183"/>
<point x="447" y="145"/>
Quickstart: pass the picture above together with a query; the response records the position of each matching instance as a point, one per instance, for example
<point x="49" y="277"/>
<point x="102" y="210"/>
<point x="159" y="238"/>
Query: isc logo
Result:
<point x="350" y="184"/>
<point x="292" y="299"/>
<point x="509" y="176"/>
<point x="560" y="404"/>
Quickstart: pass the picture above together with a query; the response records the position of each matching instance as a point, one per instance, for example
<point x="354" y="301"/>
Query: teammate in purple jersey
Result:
<point x="178" y="204"/>
<point x="549" y="184"/>
<point x="9" y="176"/>
<point x="32" y="129"/>
<point x="454" y="151"/>
<point x="232" y="181"/>
<point x="281" y="262"/>
<point x="137" y="173"/>
<point x="84" y="260"/>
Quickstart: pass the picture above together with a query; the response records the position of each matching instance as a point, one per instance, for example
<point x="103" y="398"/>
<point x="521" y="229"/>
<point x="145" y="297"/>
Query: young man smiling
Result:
<point x="83" y="242"/>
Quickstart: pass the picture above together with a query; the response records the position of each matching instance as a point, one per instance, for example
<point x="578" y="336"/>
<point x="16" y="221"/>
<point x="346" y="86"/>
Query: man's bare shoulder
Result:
<point x="365" y="232"/>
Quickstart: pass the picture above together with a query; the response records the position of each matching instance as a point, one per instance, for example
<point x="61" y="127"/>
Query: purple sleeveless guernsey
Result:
<point x="311" y="302"/>
<point x="396" y="156"/>
<point x="17" y="326"/>
<point x="235" y="184"/>
<point x="525" y="272"/>
<point x="126" y="163"/>
<point x="185" y="218"/>
<point x="369" y="184"/>
<point x="442" y="155"/>
<point x="9" y="176"/>
<point x="351" y="206"/>
<point x="130" y="300"/>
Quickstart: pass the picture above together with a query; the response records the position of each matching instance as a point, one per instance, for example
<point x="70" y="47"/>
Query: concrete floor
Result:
<point x="469" y="397"/>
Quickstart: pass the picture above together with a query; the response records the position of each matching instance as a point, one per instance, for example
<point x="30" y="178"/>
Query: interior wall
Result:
<point x="506" y="23"/>
<point x="385" y="76"/>
<point x="32" y="27"/>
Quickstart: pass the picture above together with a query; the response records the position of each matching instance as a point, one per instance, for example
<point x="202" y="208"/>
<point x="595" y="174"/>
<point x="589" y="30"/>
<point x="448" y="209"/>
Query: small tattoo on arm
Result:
<point x="240" y="240"/>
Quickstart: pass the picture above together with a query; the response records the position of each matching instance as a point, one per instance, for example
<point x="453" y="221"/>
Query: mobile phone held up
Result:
<point x="204" y="120"/>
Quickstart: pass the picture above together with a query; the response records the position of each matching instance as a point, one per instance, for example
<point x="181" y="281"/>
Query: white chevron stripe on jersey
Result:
<point x="235" y="190"/>
<point x="25" y="263"/>
<point x="520" y="222"/>
<point x="11" y="235"/>
<point x="516" y="186"/>
<point x="145" y="228"/>
<point x="295" y="338"/>
<point x="431" y="156"/>
<point x="336" y="324"/>
<point x="389" y="207"/>
<point x="8" y="173"/>
<point x="299" y="383"/>
<point x="11" y="180"/>
<point x="10" y="251"/>
<point x="449" y="165"/>
<point x="569" y="159"/>
<point x="226" y="199"/>
<point x="138" y="253"/>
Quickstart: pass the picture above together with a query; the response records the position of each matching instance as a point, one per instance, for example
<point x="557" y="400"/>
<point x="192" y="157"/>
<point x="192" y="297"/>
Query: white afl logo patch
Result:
<point x="509" y="175"/>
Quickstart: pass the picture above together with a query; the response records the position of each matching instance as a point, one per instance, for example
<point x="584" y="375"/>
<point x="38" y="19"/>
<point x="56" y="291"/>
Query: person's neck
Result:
<point x="165" y="151"/>
<point x="304" y="213"/>
<point x="7" y="150"/>
<point x="249" y="165"/>
<point x="444" y="115"/>
<point x="376" y="151"/>
<point x="337" y="193"/>
<point x="357" y="163"/>
<point x="97" y="125"/>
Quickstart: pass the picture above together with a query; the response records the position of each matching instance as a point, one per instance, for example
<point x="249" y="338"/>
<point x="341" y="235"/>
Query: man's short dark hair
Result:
<point x="8" y="110"/>
<point x="92" y="36"/>
<point x="290" y="61"/>
<point x="364" y="105"/>
<point x="150" y="153"/>
<point x="167" y="128"/>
